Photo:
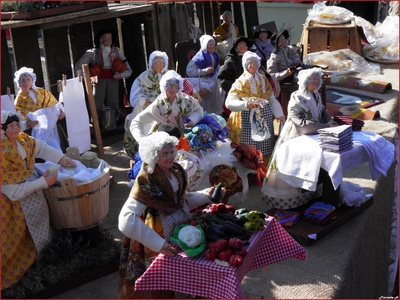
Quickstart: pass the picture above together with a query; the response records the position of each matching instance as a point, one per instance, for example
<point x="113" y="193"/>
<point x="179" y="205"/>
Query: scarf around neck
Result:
<point x="203" y="60"/>
<point x="155" y="190"/>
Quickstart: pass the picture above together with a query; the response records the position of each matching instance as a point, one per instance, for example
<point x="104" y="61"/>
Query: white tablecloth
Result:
<point x="367" y="147"/>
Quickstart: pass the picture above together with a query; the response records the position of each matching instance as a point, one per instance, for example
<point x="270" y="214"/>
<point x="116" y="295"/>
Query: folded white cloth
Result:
<point x="81" y="173"/>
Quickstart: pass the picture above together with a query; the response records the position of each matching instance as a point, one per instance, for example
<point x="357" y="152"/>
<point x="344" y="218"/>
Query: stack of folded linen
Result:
<point x="319" y="213"/>
<point x="287" y="218"/>
<point x="356" y="124"/>
<point x="336" y="139"/>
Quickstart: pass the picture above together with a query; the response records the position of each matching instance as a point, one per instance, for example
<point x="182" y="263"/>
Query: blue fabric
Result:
<point x="136" y="167"/>
<point x="203" y="60"/>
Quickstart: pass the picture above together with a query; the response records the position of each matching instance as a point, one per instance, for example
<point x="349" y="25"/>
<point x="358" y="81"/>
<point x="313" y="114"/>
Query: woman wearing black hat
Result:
<point x="263" y="44"/>
<point x="232" y="68"/>
<point x="283" y="59"/>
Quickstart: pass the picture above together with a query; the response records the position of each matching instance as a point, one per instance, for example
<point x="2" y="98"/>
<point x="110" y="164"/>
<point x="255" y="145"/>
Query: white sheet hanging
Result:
<point x="7" y="103"/>
<point x="73" y="97"/>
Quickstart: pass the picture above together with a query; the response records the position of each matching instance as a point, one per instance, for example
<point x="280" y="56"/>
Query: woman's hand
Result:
<point x="211" y="190"/>
<point x="67" y="162"/>
<point x="31" y="124"/>
<point x="50" y="179"/>
<point x="289" y="71"/>
<point x="209" y="70"/>
<point x="250" y="105"/>
<point x="117" y="76"/>
<point x="168" y="249"/>
<point x="282" y="119"/>
<point x="197" y="97"/>
<point x="332" y="123"/>
<point x="61" y="115"/>
<point x="189" y="124"/>
<point x="147" y="103"/>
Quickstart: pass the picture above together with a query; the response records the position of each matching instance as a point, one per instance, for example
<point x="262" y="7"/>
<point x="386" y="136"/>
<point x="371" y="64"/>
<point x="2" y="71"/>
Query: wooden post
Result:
<point x="93" y="110"/>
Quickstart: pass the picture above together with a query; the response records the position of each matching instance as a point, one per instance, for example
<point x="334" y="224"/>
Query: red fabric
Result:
<point x="198" y="276"/>
<point x="187" y="87"/>
<point x="107" y="74"/>
<point x="251" y="158"/>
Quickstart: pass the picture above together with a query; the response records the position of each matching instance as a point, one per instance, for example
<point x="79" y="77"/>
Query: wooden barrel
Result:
<point x="79" y="206"/>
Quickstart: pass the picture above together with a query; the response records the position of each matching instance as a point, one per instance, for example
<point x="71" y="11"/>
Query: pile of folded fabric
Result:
<point x="356" y="124"/>
<point x="336" y="139"/>
<point x="319" y="213"/>
<point x="287" y="218"/>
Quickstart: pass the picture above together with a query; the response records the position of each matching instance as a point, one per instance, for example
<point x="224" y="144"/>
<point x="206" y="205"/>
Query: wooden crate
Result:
<point x="319" y="37"/>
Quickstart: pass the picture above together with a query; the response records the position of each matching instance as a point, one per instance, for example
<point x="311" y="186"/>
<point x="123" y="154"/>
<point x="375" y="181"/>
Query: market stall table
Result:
<point x="201" y="277"/>
<point x="367" y="147"/>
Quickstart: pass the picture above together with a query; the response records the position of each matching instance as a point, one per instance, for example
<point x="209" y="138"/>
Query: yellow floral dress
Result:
<point x="25" y="104"/>
<point x="18" y="251"/>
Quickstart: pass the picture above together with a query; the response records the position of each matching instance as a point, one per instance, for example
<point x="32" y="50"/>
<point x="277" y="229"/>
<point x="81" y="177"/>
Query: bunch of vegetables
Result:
<point x="251" y="220"/>
<point x="219" y="222"/>
<point x="225" y="252"/>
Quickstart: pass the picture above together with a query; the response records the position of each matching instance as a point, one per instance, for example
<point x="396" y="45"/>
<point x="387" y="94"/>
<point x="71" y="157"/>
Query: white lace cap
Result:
<point x="305" y="75"/>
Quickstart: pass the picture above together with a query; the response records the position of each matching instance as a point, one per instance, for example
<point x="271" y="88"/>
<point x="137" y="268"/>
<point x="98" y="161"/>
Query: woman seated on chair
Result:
<point x="225" y="34"/>
<point x="145" y="89"/>
<point x="253" y="107"/>
<point x="284" y="60"/>
<point x="202" y="72"/>
<point x="306" y="113"/>
<point x="170" y="107"/>
<point x="158" y="202"/>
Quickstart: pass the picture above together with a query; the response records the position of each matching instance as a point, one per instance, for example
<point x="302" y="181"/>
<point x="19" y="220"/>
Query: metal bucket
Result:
<point x="107" y="118"/>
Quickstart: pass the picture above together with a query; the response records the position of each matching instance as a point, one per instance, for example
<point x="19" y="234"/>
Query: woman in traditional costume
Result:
<point x="253" y="107"/>
<point x="202" y="72"/>
<point x="25" y="225"/>
<point x="171" y="107"/>
<point x="31" y="99"/>
<point x="157" y="204"/>
<point x="225" y="34"/>
<point x="284" y="59"/>
<point x="306" y="114"/>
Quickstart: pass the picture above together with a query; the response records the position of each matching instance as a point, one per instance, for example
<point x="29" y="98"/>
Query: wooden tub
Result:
<point x="79" y="206"/>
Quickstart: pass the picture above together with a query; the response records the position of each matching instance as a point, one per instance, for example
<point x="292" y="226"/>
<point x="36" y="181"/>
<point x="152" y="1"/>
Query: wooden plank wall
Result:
<point x="56" y="52"/>
<point x="161" y="30"/>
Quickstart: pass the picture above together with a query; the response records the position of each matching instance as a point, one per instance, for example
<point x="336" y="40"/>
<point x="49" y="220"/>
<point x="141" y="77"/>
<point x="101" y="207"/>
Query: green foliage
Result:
<point x="8" y="6"/>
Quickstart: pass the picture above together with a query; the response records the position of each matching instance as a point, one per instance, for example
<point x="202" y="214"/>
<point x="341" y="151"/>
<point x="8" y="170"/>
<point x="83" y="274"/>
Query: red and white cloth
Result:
<point x="198" y="276"/>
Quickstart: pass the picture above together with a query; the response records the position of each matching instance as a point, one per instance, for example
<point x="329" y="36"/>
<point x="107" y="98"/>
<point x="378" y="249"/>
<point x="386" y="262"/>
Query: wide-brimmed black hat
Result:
<point x="239" y="39"/>
<point x="275" y="42"/>
<point x="270" y="34"/>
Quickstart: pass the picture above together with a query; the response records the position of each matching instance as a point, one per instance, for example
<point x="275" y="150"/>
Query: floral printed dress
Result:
<point x="25" y="223"/>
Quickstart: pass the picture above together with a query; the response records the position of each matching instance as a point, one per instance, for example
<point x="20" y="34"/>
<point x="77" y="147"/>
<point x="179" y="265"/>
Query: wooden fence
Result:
<point x="52" y="45"/>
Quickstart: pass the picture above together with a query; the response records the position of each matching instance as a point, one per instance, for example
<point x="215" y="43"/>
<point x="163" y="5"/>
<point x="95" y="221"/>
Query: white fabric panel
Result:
<point x="73" y="97"/>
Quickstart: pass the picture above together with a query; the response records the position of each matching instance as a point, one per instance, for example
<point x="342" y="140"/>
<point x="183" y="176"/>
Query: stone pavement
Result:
<point x="337" y="266"/>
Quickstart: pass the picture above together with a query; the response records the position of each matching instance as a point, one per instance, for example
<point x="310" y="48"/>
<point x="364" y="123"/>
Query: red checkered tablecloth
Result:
<point x="198" y="276"/>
